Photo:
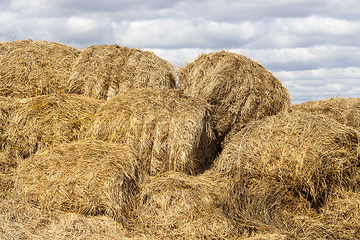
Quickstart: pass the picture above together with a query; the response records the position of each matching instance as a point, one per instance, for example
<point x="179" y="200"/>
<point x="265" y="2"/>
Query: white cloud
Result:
<point x="80" y="25"/>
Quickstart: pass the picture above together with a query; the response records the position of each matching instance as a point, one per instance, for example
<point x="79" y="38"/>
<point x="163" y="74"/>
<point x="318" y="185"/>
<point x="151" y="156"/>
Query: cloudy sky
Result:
<point x="311" y="46"/>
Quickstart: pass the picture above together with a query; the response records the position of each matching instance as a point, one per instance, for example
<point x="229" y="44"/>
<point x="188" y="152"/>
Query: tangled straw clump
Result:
<point x="103" y="71"/>
<point x="32" y="68"/>
<point x="49" y="120"/>
<point x="343" y="110"/>
<point x="238" y="88"/>
<point x="170" y="131"/>
<point x="86" y="177"/>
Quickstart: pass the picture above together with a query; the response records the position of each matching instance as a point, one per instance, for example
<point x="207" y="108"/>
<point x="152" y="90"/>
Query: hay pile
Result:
<point x="170" y="131"/>
<point x="32" y="68"/>
<point x="238" y="88"/>
<point x="86" y="177"/>
<point x="285" y="168"/>
<point x="343" y="110"/>
<point x="49" y="120"/>
<point x="103" y="71"/>
<point x="180" y="206"/>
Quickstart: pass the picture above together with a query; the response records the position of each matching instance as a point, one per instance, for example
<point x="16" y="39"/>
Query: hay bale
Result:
<point x="49" y="120"/>
<point x="283" y="171"/>
<point x="310" y="155"/>
<point x="32" y="68"/>
<point x="85" y="177"/>
<point x="238" y="88"/>
<point x="170" y="131"/>
<point x="343" y="110"/>
<point x="180" y="206"/>
<point x="103" y="71"/>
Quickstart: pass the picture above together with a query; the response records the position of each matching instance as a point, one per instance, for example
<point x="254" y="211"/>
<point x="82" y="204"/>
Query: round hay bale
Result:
<point x="32" y="68"/>
<point x="170" y="131"/>
<point x="343" y="110"/>
<point x="180" y="206"/>
<point x="103" y="71"/>
<point x="310" y="155"/>
<point x="85" y="177"/>
<point x="48" y="120"/>
<point x="238" y="88"/>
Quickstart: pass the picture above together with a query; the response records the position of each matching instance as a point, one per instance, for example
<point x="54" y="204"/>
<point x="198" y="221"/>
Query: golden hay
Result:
<point x="7" y="106"/>
<point x="170" y="131"/>
<point x="180" y="206"/>
<point x="338" y="219"/>
<point x="238" y="88"/>
<point x="343" y="110"/>
<point x="21" y="221"/>
<point x="49" y="120"/>
<point x="311" y="155"/>
<point x="32" y="68"/>
<point x="284" y="170"/>
<point x="92" y="178"/>
<point x="103" y="71"/>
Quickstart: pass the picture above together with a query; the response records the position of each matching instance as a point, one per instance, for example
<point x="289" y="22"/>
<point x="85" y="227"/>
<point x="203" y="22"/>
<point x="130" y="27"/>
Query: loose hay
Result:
<point x="49" y="120"/>
<point x="32" y="68"/>
<point x="238" y="88"/>
<point x="103" y="71"/>
<point x="170" y="131"/>
<point x="181" y="206"/>
<point x="343" y="110"/>
<point x="91" y="178"/>
<point x="283" y="171"/>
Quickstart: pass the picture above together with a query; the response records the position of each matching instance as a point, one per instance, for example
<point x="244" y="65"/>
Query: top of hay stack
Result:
<point x="343" y="110"/>
<point x="103" y="71"/>
<point x="238" y="88"/>
<point x="32" y="68"/>
<point x="170" y="131"/>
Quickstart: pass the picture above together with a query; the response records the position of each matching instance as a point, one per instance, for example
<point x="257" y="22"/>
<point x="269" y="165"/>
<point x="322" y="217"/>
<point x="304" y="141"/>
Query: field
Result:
<point x="116" y="143"/>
